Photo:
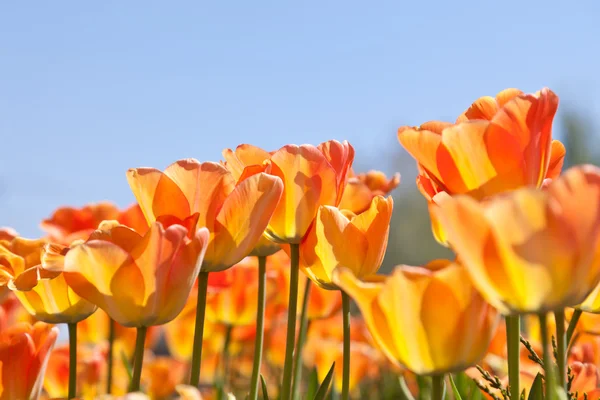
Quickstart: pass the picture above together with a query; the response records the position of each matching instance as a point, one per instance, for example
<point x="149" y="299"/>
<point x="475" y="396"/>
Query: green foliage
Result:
<point x="322" y="392"/>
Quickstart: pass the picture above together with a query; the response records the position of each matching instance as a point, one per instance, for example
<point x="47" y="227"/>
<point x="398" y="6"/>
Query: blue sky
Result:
<point x="89" y="89"/>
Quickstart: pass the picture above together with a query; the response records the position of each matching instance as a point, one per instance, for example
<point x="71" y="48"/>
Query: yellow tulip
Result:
<point x="530" y="251"/>
<point x="138" y="280"/>
<point x="44" y="294"/>
<point x="429" y="319"/>
<point x="341" y="238"/>
<point x="235" y="212"/>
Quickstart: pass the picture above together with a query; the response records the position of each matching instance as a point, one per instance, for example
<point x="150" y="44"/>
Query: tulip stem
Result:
<point x="138" y="359"/>
<point x="548" y="370"/>
<point x="260" y="324"/>
<point x="561" y="348"/>
<point x="573" y="324"/>
<point x="301" y="340"/>
<point x="109" y="358"/>
<point x="72" y="360"/>
<point x="291" y="322"/>
<point x="513" y="341"/>
<point x="346" y="370"/>
<point x="199" y="328"/>
<point x="225" y="353"/>
<point x="437" y="387"/>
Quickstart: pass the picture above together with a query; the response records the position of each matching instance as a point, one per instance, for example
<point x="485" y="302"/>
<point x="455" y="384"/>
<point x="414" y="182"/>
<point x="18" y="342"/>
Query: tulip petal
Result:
<point x="340" y="157"/>
<point x="309" y="181"/>
<point x="157" y="194"/>
<point x="242" y="220"/>
<point x="423" y="146"/>
<point x="557" y="159"/>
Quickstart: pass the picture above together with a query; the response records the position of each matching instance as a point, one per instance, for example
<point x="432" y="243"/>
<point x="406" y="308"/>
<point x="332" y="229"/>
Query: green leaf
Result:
<point x="405" y="393"/>
<point x="313" y="384"/>
<point x="324" y="388"/>
<point x="457" y="395"/>
<point x="128" y="366"/>
<point x="424" y="384"/>
<point x="537" y="389"/>
<point x="264" y="387"/>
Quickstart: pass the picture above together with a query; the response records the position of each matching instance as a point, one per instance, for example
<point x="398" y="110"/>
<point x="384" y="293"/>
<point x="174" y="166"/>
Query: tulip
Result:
<point x="139" y="281"/>
<point x="312" y="176"/>
<point x="341" y="238"/>
<point x="24" y="352"/>
<point x="68" y="224"/>
<point x="7" y="233"/>
<point x="506" y="146"/>
<point x="404" y="316"/>
<point x="162" y="375"/>
<point x="531" y="251"/>
<point x="362" y="188"/>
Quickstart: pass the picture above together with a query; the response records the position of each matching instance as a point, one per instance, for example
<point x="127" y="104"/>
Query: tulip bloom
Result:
<point x="404" y="316"/>
<point x="496" y="145"/>
<point x="161" y="376"/>
<point x="341" y="238"/>
<point x="236" y="214"/>
<point x="24" y="352"/>
<point x="44" y="294"/>
<point x="362" y="188"/>
<point x="138" y="280"/>
<point x="312" y="176"/>
<point x="531" y="251"/>
<point x="68" y="224"/>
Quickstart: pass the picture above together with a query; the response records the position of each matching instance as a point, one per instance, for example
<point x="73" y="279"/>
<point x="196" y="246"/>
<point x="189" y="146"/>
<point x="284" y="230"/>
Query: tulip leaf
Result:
<point x="127" y="364"/>
<point x="313" y="384"/>
<point x="457" y="395"/>
<point x="405" y="393"/>
<point x="424" y="384"/>
<point x="324" y="388"/>
<point x="264" y="387"/>
<point x="537" y="389"/>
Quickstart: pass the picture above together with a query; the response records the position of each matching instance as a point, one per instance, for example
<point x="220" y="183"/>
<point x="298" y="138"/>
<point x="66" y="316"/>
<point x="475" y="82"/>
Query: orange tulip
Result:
<point x="236" y="214"/>
<point x="312" y="176"/>
<point x="8" y="233"/>
<point x="361" y="189"/>
<point x="404" y="316"/>
<point x="531" y="250"/>
<point x="495" y="146"/>
<point x="236" y="305"/>
<point x="90" y="366"/>
<point x="44" y="294"/>
<point x="138" y="280"/>
<point x="24" y="352"/>
<point x="12" y="311"/>
<point x="161" y="375"/>
<point x="68" y="224"/>
<point x="341" y="238"/>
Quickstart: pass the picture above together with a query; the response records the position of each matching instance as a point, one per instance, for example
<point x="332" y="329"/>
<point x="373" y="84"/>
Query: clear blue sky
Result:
<point x="89" y="89"/>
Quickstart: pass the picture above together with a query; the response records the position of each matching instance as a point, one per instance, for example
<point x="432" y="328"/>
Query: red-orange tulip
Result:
<point x="138" y="280"/>
<point x="236" y="213"/>
<point x="68" y="224"/>
<point x="497" y="145"/>
<point x="312" y="176"/>
<point x="24" y="352"/>
<point x="529" y="250"/>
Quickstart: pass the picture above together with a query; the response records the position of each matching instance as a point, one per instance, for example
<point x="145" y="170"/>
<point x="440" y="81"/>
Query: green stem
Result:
<point x="225" y="353"/>
<point x="561" y="348"/>
<point x="548" y="372"/>
<point x="199" y="328"/>
<point x="573" y="324"/>
<point x="109" y="358"/>
<point x="291" y="323"/>
<point x="437" y="388"/>
<point x="72" y="360"/>
<point x="300" y="341"/>
<point x="513" y="341"/>
<point x="346" y="370"/>
<point x="260" y="324"/>
<point x="138" y="359"/>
